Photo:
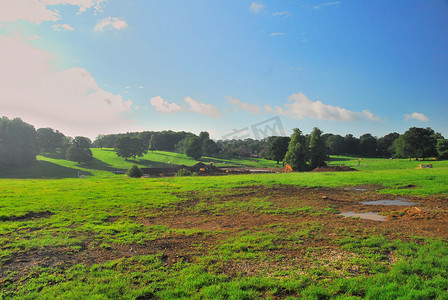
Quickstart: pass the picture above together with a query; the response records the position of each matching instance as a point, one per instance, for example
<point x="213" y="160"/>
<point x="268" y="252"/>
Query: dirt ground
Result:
<point x="428" y="218"/>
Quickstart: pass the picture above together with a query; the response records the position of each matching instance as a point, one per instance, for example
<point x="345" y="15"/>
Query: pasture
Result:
<point x="272" y="236"/>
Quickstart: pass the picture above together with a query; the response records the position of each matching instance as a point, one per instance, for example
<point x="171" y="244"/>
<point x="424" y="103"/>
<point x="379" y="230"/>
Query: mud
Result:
<point x="428" y="218"/>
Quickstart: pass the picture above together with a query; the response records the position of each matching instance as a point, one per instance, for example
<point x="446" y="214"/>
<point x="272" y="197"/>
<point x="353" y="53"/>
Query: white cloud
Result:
<point x="69" y="100"/>
<point x="281" y="13"/>
<point x="36" y="11"/>
<point x="256" y="8"/>
<point x="203" y="108"/>
<point x="252" y="108"/>
<point x="164" y="106"/>
<point x="62" y="27"/>
<point x="416" y="116"/>
<point x="277" y="34"/>
<point x="34" y="37"/>
<point x="111" y="23"/>
<point x="326" y="4"/>
<point x="300" y="106"/>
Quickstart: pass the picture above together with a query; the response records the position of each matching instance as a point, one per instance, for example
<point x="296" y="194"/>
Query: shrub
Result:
<point x="184" y="172"/>
<point x="134" y="172"/>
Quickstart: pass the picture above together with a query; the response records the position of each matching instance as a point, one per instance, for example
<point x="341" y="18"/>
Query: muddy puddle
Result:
<point x="367" y="216"/>
<point x="397" y="202"/>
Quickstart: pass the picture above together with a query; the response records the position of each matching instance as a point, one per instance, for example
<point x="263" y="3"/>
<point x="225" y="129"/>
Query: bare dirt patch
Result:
<point x="217" y="221"/>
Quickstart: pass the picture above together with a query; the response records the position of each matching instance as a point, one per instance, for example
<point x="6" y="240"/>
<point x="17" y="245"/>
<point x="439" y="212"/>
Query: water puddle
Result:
<point x="398" y="202"/>
<point x="356" y="189"/>
<point x="367" y="216"/>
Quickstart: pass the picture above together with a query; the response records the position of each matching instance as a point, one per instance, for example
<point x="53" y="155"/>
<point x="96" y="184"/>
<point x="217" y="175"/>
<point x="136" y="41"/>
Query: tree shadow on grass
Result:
<point x="97" y="164"/>
<point x="340" y="159"/>
<point x="43" y="170"/>
<point x="150" y="164"/>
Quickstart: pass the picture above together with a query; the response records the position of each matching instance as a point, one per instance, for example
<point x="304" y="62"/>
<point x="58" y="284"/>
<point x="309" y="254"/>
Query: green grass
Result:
<point x="47" y="225"/>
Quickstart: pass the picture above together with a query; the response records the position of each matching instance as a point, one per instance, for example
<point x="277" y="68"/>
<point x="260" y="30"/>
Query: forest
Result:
<point x="20" y="142"/>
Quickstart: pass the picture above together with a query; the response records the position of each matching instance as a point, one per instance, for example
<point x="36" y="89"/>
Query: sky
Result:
<point x="234" y="68"/>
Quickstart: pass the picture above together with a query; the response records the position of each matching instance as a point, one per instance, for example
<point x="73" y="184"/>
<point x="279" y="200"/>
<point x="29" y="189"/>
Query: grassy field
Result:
<point x="254" y="236"/>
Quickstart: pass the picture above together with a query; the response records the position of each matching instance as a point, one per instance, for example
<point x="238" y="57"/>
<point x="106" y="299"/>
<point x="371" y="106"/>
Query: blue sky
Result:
<point x="89" y="67"/>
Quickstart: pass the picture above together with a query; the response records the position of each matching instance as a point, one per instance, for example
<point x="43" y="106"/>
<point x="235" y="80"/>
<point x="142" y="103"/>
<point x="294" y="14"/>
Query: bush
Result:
<point x="184" y="172"/>
<point x="134" y="172"/>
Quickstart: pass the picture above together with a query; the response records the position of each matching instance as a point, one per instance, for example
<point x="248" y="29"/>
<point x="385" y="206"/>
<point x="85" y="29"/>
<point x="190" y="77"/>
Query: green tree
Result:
<point x="134" y="172"/>
<point x="442" y="148"/>
<point x="385" y="144"/>
<point x="318" y="153"/>
<point x="335" y="144"/>
<point x="18" y="144"/>
<point x="367" y="145"/>
<point x="297" y="155"/>
<point x="48" y="139"/>
<point x="138" y="147"/>
<point x="193" y="147"/>
<point x="123" y="147"/>
<point x="351" y="144"/>
<point x="277" y="147"/>
<point x="417" y="143"/>
<point x="79" y="150"/>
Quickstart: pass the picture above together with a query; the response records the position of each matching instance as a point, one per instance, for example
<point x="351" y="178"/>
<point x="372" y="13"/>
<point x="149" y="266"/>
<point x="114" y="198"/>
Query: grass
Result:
<point x="110" y="237"/>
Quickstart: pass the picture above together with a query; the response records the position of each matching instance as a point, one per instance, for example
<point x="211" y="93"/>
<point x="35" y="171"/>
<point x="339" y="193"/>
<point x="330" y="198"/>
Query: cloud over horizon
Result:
<point x="111" y="23"/>
<point x="256" y="7"/>
<point x="38" y="11"/>
<point x="203" y="108"/>
<point x="63" y="100"/>
<point x="300" y="107"/>
<point x="416" y="116"/>
<point x="252" y="108"/>
<point x="164" y="106"/>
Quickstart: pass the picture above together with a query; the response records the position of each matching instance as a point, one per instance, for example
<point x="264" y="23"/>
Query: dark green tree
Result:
<point x="49" y="139"/>
<point x="351" y="144"/>
<point x="134" y="172"/>
<point x="79" y="150"/>
<point x="442" y="148"/>
<point x="123" y="147"/>
<point x="385" y="144"/>
<point x="298" y="152"/>
<point x="335" y="144"/>
<point x="367" y="145"/>
<point x="18" y="142"/>
<point x="138" y="147"/>
<point x="193" y="147"/>
<point x="277" y="147"/>
<point x="318" y="153"/>
<point x="417" y="143"/>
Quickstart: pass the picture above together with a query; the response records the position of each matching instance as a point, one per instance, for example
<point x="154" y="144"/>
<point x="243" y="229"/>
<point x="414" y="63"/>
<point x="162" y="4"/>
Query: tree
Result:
<point x="193" y="147"/>
<point x="138" y="147"/>
<point x="351" y="144"/>
<point x="134" y="172"/>
<point x="48" y="139"/>
<point x="277" y="147"/>
<point x="335" y="144"/>
<point x="318" y="153"/>
<point x="417" y="143"/>
<point x="367" y="145"/>
<point x="297" y="155"/>
<point x="209" y="147"/>
<point x="127" y="147"/>
<point x="79" y="150"/>
<point x="442" y="148"/>
<point x="385" y="144"/>
<point x="17" y="142"/>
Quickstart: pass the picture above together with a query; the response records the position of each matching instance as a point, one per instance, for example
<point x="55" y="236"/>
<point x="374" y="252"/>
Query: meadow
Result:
<point x="272" y="236"/>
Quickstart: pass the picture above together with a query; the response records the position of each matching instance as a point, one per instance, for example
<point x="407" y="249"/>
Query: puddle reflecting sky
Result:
<point x="368" y="216"/>
<point x="398" y="202"/>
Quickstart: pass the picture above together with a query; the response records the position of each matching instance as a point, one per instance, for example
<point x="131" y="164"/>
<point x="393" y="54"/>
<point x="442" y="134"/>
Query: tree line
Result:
<point x="20" y="142"/>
